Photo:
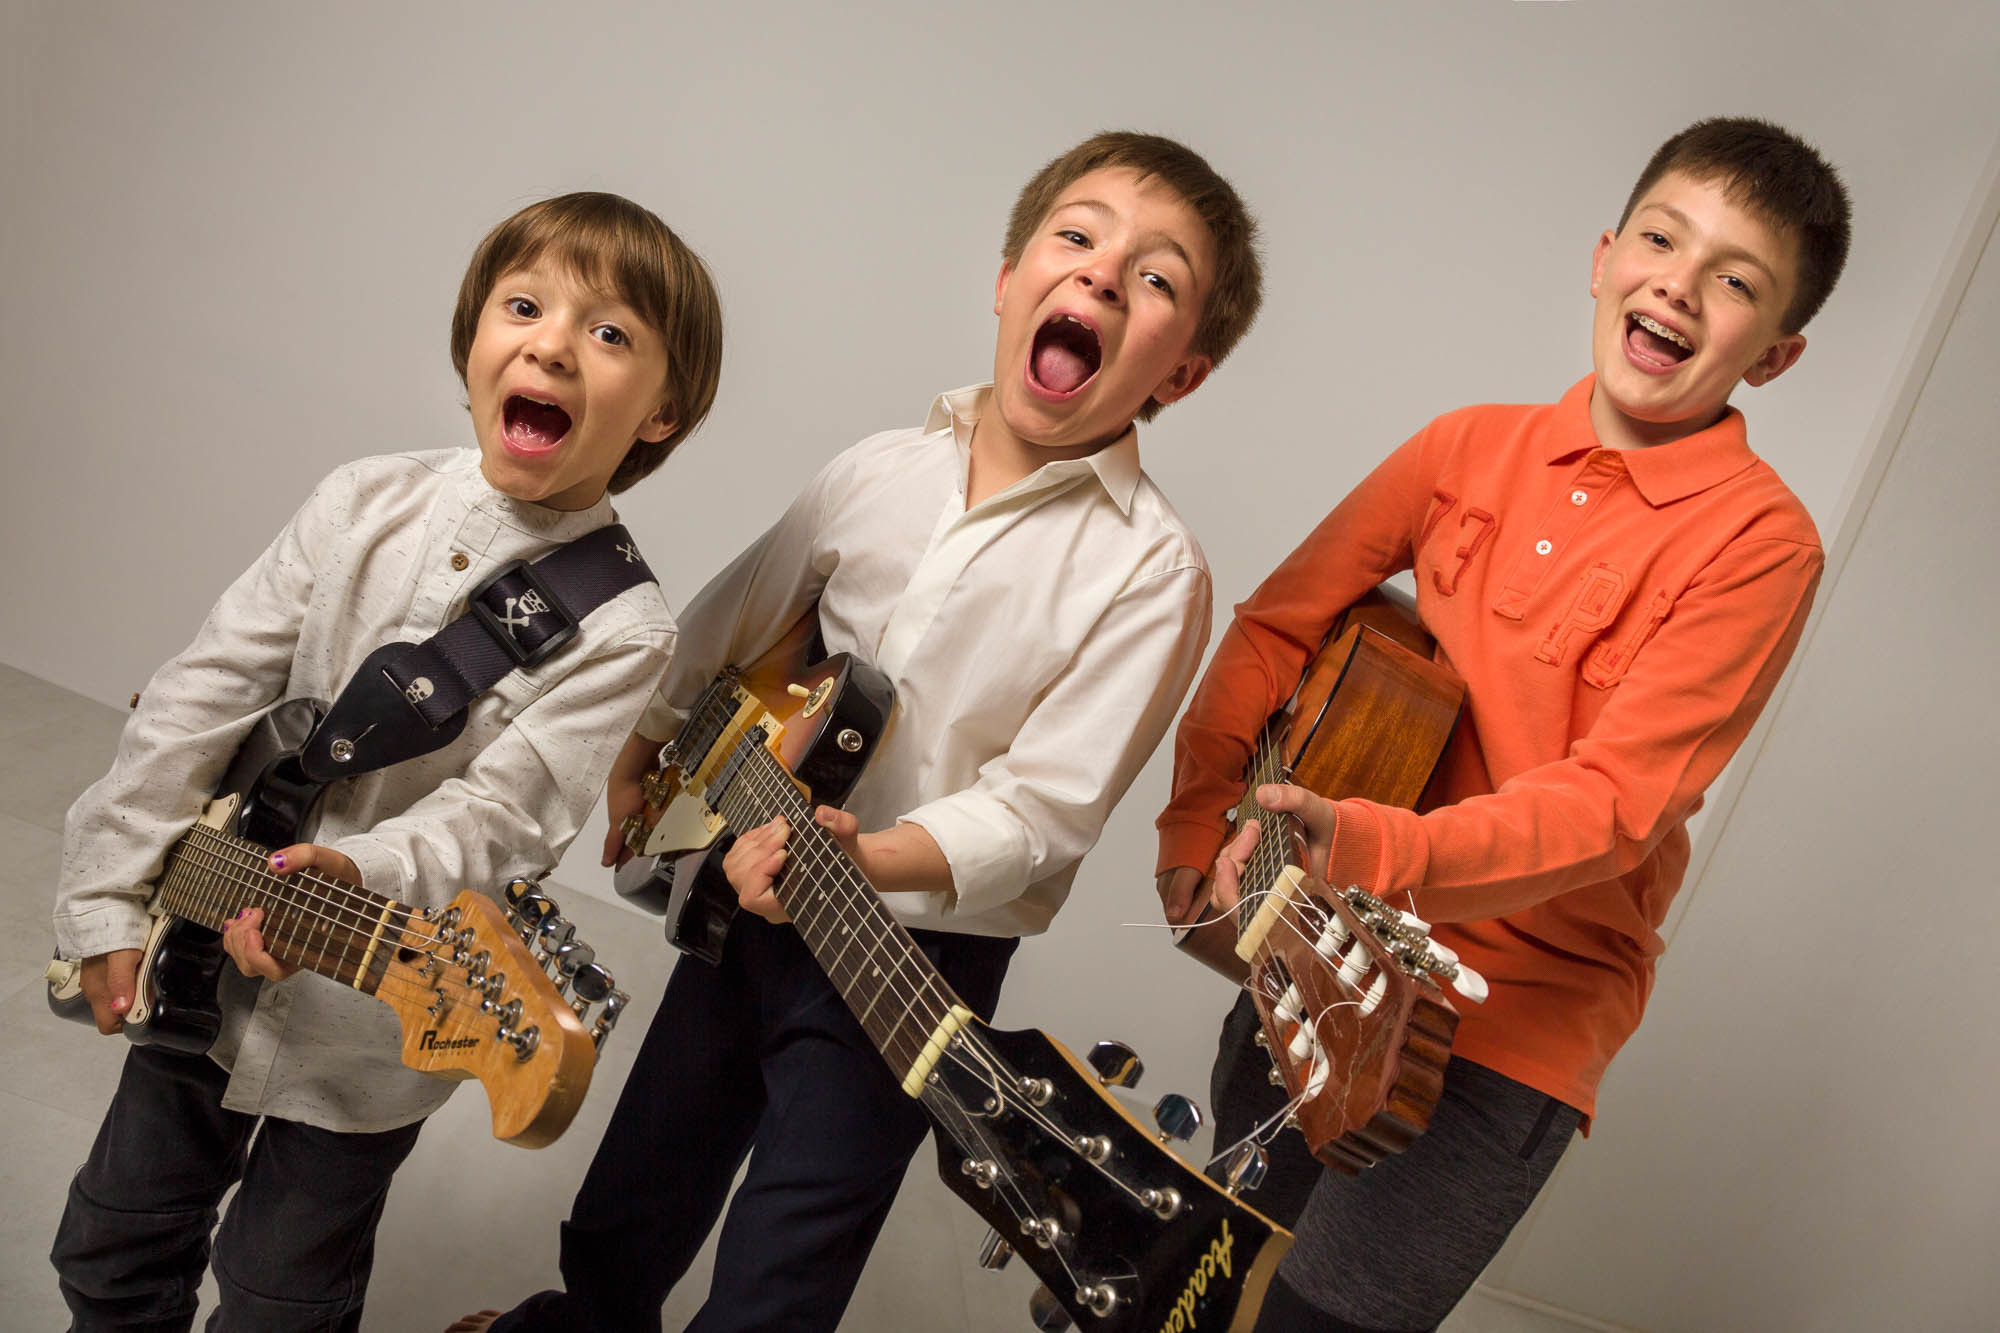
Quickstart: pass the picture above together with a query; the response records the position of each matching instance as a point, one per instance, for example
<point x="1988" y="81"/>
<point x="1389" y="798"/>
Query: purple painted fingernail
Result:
<point x="277" y="860"/>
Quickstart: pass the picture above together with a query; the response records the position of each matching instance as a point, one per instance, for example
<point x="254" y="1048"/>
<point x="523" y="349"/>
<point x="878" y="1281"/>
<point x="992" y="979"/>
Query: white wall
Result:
<point x="1801" y="1135"/>
<point x="232" y="234"/>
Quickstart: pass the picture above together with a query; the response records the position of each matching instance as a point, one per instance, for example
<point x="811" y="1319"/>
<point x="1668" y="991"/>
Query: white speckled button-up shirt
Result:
<point x="385" y="549"/>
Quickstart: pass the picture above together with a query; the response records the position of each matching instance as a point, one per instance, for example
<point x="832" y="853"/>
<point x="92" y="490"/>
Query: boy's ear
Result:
<point x="1597" y="261"/>
<point x="1182" y="380"/>
<point x="658" y="426"/>
<point x="1000" y="285"/>
<point x="1775" y="360"/>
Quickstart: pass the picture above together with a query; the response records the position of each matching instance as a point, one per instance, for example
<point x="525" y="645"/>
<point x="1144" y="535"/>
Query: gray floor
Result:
<point x="470" y="1222"/>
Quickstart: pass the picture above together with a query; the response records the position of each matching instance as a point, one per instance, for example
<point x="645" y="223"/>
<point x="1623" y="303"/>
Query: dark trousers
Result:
<point x="1393" y="1249"/>
<point x="758" y="1056"/>
<point x="294" y="1252"/>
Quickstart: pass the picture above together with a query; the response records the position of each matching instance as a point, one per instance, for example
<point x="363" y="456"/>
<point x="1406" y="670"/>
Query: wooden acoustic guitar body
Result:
<point x="1370" y="719"/>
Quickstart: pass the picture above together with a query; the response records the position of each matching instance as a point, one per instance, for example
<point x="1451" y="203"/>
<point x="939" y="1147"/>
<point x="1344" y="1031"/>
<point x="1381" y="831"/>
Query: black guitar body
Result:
<point x="827" y="752"/>
<point x="183" y="962"/>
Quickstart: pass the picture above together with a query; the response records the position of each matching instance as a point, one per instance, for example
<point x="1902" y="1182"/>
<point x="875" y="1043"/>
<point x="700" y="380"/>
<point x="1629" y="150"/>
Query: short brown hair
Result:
<point x="1238" y="287"/>
<point x="613" y="243"/>
<point x="1776" y="175"/>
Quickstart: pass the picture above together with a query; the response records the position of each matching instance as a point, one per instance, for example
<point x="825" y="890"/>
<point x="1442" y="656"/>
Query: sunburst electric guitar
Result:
<point x="1345" y="985"/>
<point x="1125" y="1237"/>
<point x="486" y="990"/>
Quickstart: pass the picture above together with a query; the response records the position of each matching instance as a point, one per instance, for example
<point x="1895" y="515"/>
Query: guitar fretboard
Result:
<point x="310" y="921"/>
<point x="878" y="969"/>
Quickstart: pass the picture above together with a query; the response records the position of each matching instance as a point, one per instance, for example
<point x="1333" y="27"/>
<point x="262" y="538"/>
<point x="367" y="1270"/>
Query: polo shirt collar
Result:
<point x="1116" y="465"/>
<point x="1663" y="473"/>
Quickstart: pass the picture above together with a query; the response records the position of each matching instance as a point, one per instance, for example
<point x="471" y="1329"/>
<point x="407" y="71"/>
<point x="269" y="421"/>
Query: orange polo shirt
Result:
<point x="1619" y="618"/>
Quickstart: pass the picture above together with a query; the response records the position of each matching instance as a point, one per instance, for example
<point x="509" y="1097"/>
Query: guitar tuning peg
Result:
<point x="1117" y="1065"/>
<point x="570" y="955"/>
<point x="614" y="1005"/>
<point x="591" y="982"/>
<point x="1415" y="924"/>
<point x="1046" y="1312"/>
<point x="1469" y="984"/>
<point x="994" y="1251"/>
<point x="1246" y="1166"/>
<point x="1177" y="1116"/>
<point x="554" y="931"/>
<point x="517" y="889"/>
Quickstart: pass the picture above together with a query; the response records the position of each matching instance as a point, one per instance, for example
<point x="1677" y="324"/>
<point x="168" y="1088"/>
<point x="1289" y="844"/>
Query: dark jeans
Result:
<point x="757" y="1056"/>
<point x="295" y="1249"/>
<point x="1393" y="1249"/>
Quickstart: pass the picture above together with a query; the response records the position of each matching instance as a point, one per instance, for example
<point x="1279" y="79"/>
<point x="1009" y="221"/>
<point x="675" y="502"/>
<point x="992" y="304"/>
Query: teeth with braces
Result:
<point x="1653" y="326"/>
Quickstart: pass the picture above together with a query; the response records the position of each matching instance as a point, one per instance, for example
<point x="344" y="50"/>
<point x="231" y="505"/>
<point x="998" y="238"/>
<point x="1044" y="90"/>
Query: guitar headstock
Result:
<point x="1356" y="1028"/>
<point x="1125" y="1237"/>
<point x="500" y="994"/>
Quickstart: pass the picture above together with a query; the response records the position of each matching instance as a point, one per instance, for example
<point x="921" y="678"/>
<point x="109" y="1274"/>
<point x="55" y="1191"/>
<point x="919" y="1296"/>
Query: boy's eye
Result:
<point x="611" y="333"/>
<point x="1737" y="285"/>
<point x="1655" y="239"/>
<point x="522" y="308"/>
<point x="1159" y="282"/>
<point x="1073" y="236"/>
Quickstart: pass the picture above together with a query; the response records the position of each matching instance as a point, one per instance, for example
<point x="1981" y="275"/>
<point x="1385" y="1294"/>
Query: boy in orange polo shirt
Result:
<point x="1620" y="582"/>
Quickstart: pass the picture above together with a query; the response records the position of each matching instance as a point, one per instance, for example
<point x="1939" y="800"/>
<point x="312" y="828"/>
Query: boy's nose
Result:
<point x="551" y="349"/>
<point x="1100" y="281"/>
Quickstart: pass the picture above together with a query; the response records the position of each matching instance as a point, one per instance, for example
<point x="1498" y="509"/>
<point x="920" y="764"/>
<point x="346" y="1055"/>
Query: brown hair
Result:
<point x="1233" y="296"/>
<point x="613" y="243"/>
<point x="1775" y="175"/>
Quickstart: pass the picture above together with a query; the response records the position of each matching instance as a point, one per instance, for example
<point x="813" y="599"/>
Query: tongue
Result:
<point x="1058" y="368"/>
<point x="1652" y="345"/>
<point x="537" y="425"/>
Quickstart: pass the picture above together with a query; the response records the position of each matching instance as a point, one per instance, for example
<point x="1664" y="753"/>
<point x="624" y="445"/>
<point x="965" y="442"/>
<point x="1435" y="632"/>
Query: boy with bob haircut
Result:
<point x="588" y="338"/>
<point x="1620" y="582"/>
<point x="1041" y="610"/>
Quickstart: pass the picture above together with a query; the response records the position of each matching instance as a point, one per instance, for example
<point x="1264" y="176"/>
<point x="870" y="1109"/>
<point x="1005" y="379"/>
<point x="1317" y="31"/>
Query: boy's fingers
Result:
<point x="244" y="943"/>
<point x="109" y="982"/>
<point x="305" y="856"/>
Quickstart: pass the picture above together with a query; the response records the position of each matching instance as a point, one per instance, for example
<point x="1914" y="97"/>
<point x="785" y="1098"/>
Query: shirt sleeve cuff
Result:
<point x="383" y="872"/>
<point x="1188" y="843"/>
<point x="984" y="846"/>
<point x="119" y="924"/>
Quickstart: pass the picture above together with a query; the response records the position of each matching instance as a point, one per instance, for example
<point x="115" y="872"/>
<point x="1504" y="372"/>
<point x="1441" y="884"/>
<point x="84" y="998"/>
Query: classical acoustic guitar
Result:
<point x="483" y="989"/>
<point x="1356" y="1026"/>
<point x="1125" y="1236"/>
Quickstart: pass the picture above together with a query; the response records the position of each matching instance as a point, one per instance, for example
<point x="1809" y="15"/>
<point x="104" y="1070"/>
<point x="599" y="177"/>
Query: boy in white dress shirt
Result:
<point x="588" y="338"/>
<point x="1040" y="610"/>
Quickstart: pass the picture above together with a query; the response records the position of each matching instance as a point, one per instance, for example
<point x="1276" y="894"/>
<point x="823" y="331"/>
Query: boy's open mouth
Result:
<point x="1065" y="355"/>
<point x="1653" y="341"/>
<point x="530" y="424"/>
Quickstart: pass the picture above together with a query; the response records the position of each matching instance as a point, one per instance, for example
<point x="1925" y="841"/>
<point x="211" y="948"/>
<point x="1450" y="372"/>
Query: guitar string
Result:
<point x="247" y="871"/>
<point x="824" y="854"/>
<point x="966" y="1133"/>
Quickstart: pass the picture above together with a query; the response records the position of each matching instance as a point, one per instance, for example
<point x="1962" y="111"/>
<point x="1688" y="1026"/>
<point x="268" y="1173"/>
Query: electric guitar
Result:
<point x="486" y="991"/>
<point x="1125" y="1237"/>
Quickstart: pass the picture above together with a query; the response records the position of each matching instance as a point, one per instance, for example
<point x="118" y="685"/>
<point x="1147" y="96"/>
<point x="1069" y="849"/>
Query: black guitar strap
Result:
<point x="408" y="699"/>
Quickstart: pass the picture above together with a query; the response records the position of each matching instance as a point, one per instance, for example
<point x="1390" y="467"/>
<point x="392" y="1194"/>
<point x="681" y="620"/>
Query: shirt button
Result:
<point x="1579" y="497"/>
<point x="1544" y="546"/>
<point x="458" y="560"/>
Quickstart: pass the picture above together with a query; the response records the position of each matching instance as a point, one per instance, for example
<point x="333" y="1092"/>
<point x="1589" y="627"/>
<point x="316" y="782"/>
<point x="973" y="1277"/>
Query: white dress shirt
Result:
<point x="385" y="549"/>
<point x="1039" y="644"/>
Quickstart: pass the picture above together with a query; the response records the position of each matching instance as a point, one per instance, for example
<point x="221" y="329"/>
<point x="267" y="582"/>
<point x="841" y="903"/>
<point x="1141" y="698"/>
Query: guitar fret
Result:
<point x="865" y="952"/>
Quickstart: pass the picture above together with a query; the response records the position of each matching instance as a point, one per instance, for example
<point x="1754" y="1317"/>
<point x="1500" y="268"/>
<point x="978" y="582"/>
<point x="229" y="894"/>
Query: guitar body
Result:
<point x="827" y="714"/>
<point x="264" y="798"/>
<point x="1370" y="719"/>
